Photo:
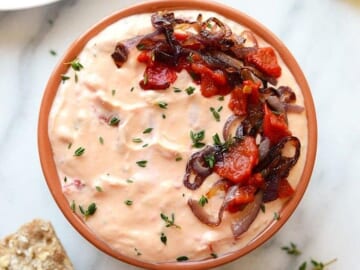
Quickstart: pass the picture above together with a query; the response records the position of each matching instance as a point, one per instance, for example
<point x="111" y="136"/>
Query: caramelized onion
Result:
<point x="249" y="38"/>
<point x="247" y="216"/>
<point x="229" y="125"/>
<point x="120" y="55"/>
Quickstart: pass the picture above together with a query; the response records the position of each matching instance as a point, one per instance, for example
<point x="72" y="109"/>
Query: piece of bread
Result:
<point x="34" y="246"/>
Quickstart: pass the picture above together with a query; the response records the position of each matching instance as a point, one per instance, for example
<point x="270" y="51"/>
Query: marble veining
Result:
<point x="324" y="37"/>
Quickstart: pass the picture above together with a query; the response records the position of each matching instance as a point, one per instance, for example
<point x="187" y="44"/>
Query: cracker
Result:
<point x="34" y="246"/>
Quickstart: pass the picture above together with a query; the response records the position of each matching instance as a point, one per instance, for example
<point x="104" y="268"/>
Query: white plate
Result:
<point x="21" y="4"/>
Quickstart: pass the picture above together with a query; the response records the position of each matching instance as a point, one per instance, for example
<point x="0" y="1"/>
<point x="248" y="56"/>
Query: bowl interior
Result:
<point x="46" y="155"/>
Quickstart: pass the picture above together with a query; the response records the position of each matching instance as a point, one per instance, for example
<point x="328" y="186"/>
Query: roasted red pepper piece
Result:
<point x="238" y="161"/>
<point x="274" y="125"/>
<point x="213" y="82"/>
<point x="265" y="60"/>
<point x="180" y="36"/>
<point x="285" y="189"/>
<point x="243" y="196"/>
<point x="158" y="78"/>
<point x="241" y="96"/>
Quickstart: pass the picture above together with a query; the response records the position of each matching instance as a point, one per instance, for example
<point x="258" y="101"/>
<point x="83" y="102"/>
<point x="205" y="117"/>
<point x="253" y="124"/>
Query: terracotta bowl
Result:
<point x="46" y="154"/>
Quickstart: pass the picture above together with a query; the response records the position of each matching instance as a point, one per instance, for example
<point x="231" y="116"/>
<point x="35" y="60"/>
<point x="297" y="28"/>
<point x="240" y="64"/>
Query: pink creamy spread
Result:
<point x="118" y="150"/>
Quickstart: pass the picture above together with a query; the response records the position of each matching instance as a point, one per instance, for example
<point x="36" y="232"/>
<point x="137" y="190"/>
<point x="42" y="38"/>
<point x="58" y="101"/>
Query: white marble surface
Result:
<point x="324" y="36"/>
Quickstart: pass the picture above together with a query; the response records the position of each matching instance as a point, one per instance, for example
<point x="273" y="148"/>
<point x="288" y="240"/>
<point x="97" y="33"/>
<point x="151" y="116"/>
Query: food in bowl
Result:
<point x="178" y="136"/>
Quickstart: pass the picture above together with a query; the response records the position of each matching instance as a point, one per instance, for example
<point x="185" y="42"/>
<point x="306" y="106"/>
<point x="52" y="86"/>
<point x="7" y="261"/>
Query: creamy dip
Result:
<point x="130" y="195"/>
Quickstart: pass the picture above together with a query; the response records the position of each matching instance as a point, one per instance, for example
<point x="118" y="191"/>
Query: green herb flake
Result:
<point x="65" y="179"/>
<point x="220" y="109"/>
<point x="262" y="208"/>
<point x="64" y="78"/>
<point x="163" y="116"/>
<point x="89" y="211"/>
<point x="162" y="105"/>
<point x="190" y="90"/>
<point x="132" y="89"/>
<point x="210" y="160"/>
<point x="320" y="265"/>
<point x="214" y="255"/>
<point x="138" y="253"/>
<point x="203" y="200"/>
<point x="128" y="202"/>
<point x="99" y="189"/>
<point x="137" y="140"/>
<point x="148" y="130"/>
<point x="69" y="145"/>
<point x="141" y="163"/>
<point x="291" y="249"/>
<point x="101" y="140"/>
<point x="53" y="53"/>
<point x="177" y="90"/>
<point x="114" y="121"/>
<point x="145" y="145"/>
<point x="182" y="259"/>
<point x="189" y="58"/>
<point x="169" y="222"/>
<point x="79" y="152"/>
<point x="76" y="65"/>
<point x="215" y="114"/>
<point x="113" y="92"/>
<point x="178" y="158"/>
<point x="163" y="238"/>
<point x="303" y="266"/>
<point x="221" y="98"/>
<point x="129" y="181"/>
<point x="197" y="138"/>
<point x="73" y="206"/>
<point x="276" y="216"/>
<point x="217" y="140"/>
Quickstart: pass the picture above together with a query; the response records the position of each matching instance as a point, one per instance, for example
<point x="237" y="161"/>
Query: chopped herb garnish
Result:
<point x="189" y="58"/>
<point x="221" y="98"/>
<point x="99" y="189"/>
<point x="162" y="104"/>
<point x="101" y="140"/>
<point x="138" y="253"/>
<point x="215" y="114"/>
<point x="148" y="130"/>
<point x="145" y="80"/>
<point x="303" y="266"/>
<point x="76" y="65"/>
<point x="210" y="160"/>
<point x="145" y="145"/>
<point x="89" y="211"/>
<point x="178" y="158"/>
<point x="73" y="206"/>
<point x="320" y="265"/>
<point x="262" y="208"/>
<point x="128" y="202"/>
<point x="113" y="92"/>
<point x="217" y="140"/>
<point x="132" y="89"/>
<point x="214" y="255"/>
<point x="203" y="200"/>
<point x="137" y="140"/>
<point x="163" y="238"/>
<point x="140" y="46"/>
<point x="190" y="90"/>
<point x="182" y="258"/>
<point x="220" y="109"/>
<point x="69" y="145"/>
<point x="52" y="52"/>
<point x="291" y="249"/>
<point x="79" y="152"/>
<point x="276" y="216"/>
<point x="76" y="77"/>
<point x="177" y="90"/>
<point x="114" y="121"/>
<point x="197" y="137"/>
<point x="129" y="181"/>
<point x="169" y="222"/>
<point x="141" y="163"/>
<point x="65" y="179"/>
<point x="64" y="78"/>
<point x="163" y="116"/>
<point x="224" y="146"/>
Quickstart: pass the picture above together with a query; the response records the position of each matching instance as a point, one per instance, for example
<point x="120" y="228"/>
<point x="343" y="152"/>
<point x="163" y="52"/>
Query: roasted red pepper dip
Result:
<point x="249" y="159"/>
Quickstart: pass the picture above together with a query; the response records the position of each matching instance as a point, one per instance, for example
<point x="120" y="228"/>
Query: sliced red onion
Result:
<point x="247" y="217"/>
<point x="249" y="37"/>
<point x="229" y="125"/>
<point x="275" y="104"/>
<point x="294" y="108"/>
<point x="264" y="147"/>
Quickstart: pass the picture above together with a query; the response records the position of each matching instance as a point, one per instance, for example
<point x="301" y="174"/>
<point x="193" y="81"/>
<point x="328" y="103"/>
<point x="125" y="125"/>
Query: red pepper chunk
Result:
<point x="238" y="161"/>
<point x="285" y="189"/>
<point x="265" y="60"/>
<point x="243" y="196"/>
<point x="240" y="96"/>
<point x="158" y="78"/>
<point x="213" y="82"/>
<point x="274" y="125"/>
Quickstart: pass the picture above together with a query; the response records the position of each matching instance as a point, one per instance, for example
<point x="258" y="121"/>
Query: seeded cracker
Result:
<point x="34" y="246"/>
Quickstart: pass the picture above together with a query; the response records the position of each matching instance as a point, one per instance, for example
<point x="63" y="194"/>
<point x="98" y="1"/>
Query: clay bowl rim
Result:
<point x="45" y="151"/>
